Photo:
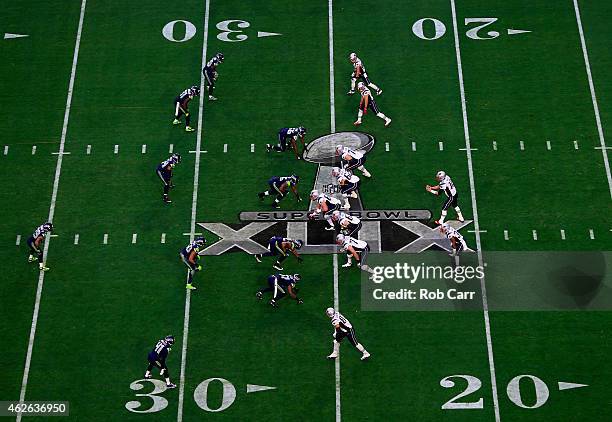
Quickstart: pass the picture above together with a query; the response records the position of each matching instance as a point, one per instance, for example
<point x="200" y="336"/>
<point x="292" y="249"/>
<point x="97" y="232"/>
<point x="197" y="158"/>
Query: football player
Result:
<point x="282" y="246"/>
<point x="348" y="182"/>
<point x="360" y="73"/>
<point x="367" y="102"/>
<point x="157" y="357"/>
<point x="343" y="328"/>
<point x="354" y="248"/>
<point x="289" y="135"/>
<point x="211" y="75"/>
<point x="35" y="242"/>
<point x="181" y="106"/>
<point x="277" y="284"/>
<point x="351" y="159"/>
<point x="280" y="185"/>
<point x="457" y="242"/>
<point x="164" y="171"/>
<point x="349" y="224"/>
<point x="326" y="205"/>
<point x="190" y="255"/>
<point x="446" y="185"/>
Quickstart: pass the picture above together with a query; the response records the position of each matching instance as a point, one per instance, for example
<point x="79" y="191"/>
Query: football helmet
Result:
<point x="298" y="244"/>
<point x="330" y="312"/>
<point x="220" y="57"/>
<point x="353" y="57"/>
<point x="169" y="339"/>
<point x="48" y="226"/>
<point x="440" y="175"/>
<point x="340" y="239"/>
<point x="335" y="171"/>
<point x="336" y="215"/>
<point x="314" y="194"/>
<point x="339" y="150"/>
<point x="176" y="158"/>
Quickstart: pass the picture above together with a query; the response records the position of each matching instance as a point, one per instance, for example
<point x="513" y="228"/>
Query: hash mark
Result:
<point x="494" y="145"/>
<point x="535" y="234"/>
<point x="76" y="239"/>
<point x="441" y="145"/>
<point x="171" y="149"/>
<point x="163" y="238"/>
<point x="116" y="149"/>
<point x="548" y="146"/>
<point x="6" y="150"/>
<point x="144" y="149"/>
<point x="88" y="150"/>
<point x="506" y="237"/>
<point x="252" y="147"/>
<point x="562" y="234"/>
<point x="575" y="144"/>
<point x="224" y="147"/>
<point x="387" y="146"/>
<point x="522" y="145"/>
<point x="33" y="149"/>
<point x="105" y="240"/>
<point x="591" y="234"/>
<point x="18" y="240"/>
<point x="414" y="146"/>
<point x="134" y="238"/>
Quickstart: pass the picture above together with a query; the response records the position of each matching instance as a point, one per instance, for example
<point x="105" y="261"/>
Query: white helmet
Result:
<point x="330" y="312"/>
<point x="339" y="150"/>
<point x="336" y="215"/>
<point x="335" y="171"/>
<point x="440" y="175"/>
<point x="314" y="194"/>
<point x="340" y="239"/>
<point x="360" y="85"/>
<point x="353" y="57"/>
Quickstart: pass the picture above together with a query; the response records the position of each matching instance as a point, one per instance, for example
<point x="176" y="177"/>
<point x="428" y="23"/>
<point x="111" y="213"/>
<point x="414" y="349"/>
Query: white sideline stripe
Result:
<point x="562" y="234"/>
<point x="194" y="202"/>
<point x="252" y="147"/>
<point x="387" y="146"/>
<point x="575" y="144"/>
<point x="6" y="148"/>
<point x="144" y="149"/>
<point x="76" y="239"/>
<point x="224" y="147"/>
<point x="587" y="65"/>
<point x="18" y="240"/>
<point x="105" y="239"/>
<point x="134" y="238"/>
<point x="414" y="146"/>
<point x="33" y="149"/>
<point x="441" y="145"/>
<point x="58" y="170"/>
<point x="534" y="233"/>
<point x="468" y="153"/>
<point x="591" y="234"/>
<point x="522" y="145"/>
<point x="171" y="149"/>
<point x="332" y="126"/>
<point x="116" y="149"/>
<point x="88" y="149"/>
<point x="163" y="238"/>
<point x="506" y="237"/>
<point x="548" y="146"/>
<point x="494" y="145"/>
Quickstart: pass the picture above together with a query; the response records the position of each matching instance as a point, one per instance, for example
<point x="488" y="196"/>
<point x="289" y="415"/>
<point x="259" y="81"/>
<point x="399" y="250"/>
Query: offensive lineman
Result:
<point x="367" y="102"/>
<point x="343" y="328"/>
<point x="289" y="135"/>
<point x="211" y="74"/>
<point x="157" y="357"/>
<point x="280" y="185"/>
<point x="348" y="182"/>
<point x="35" y="242"/>
<point x="354" y="248"/>
<point x="282" y="246"/>
<point x="351" y="159"/>
<point x="349" y="224"/>
<point x="190" y="255"/>
<point x="277" y="284"/>
<point x="446" y="185"/>
<point x="360" y="73"/>
<point x="326" y="204"/>
<point x="457" y="242"/>
<point x="181" y="106"/>
<point x="164" y="171"/>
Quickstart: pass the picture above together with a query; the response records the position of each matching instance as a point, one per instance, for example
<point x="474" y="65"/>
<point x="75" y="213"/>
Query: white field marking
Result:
<point x="198" y="152"/>
<point x="548" y="146"/>
<point x="387" y="146"/>
<point x="252" y="388"/>
<point x="193" y="234"/>
<point x="58" y="171"/>
<point x="163" y="238"/>
<point x="144" y="149"/>
<point x="88" y="150"/>
<point x="466" y="149"/>
<point x="591" y="234"/>
<point x="76" y="239"/>
<point x="33" y="149"/>
<point x="569" y="385"/>
<point x="477" y="231"/>
<point x="105" y="239"/>
<point x="54" y="235"/>
<point x="587" y="65"/>
<point x="261" y="34"/>
<point x="224" y="147"/>
<point x="252" y="147"/>
<point x="441" y="145"/>
<point x="332" y="126"/>
<point x="506" y="236"/>
<point x="60" y="153"/>
<point x="562" y="234"/>
<point x="494" y="145"/>
<point x="171" y="149"/>
<point x="9" y="36"/>
<point x="116" y="149"/>
<point x="534" y="233"/>
<point x="604" y="148"/>
<point x="134" y="238"/>
<point x="194" y="203"/>
<point x="468" y="153"/>
<point x="6" y="148"/>
<point x="414" y="146"/>
<point x="522" y="145"/>
<point x="575" y="144"/>
<point x="18" y="240"/>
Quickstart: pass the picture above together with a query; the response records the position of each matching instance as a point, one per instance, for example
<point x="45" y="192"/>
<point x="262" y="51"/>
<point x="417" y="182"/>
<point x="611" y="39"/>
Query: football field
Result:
<point x="513" y="99"/>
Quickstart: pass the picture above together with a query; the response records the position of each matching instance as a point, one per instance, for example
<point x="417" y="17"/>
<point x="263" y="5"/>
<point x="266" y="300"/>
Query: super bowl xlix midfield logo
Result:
<point x="399" y="231"/>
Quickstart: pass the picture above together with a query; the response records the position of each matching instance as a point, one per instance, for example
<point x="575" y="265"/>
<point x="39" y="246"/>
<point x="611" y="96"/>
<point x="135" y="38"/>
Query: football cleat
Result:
<point x="276" y="205"/>
<point x="462" y="220"/>
<point x="176" y="122"/>
<point x="166" y="200"/>
<point x="332" y="356"/>
<point x="268" y="147"/>
<point x="351" y="92"/>
<point x="170" y="386"/>
<point x="189" y="129"/>
<point x="348" y="264"/>
<point x="357" y="122"/>
<point x="31" y="258"/>
<point x="190" y="286"/>
<point x="387" y="122"/>
<point x="259" y="295"/>
<point x="277" y="266"/>
<point x="273" y="303"/>
<point x="261" y="196"/>
<point x="353" y="195"/>
<point x="211" y="98"/>
<point x="365" y="356"/>
<point x="379" y="91"/>
<point x="330" y="228"/>
<point x="257" y="257"/>
<point x="43" y="268"/>
<point x="148" y="376"/>
<point x="437" y="222"/>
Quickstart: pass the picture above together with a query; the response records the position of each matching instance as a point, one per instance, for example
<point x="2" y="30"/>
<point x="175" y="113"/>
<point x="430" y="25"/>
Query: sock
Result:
<point x="40" y="261"/>
<point x="187" y="119"/>
<point x="359" y="114"/>
<point x="266" y="193"/>
<point x="382" y="116"/>
<point x="361" y="168"/>
<point x="336" y="347"/>
<point x="166" y="189"/>
<point x="458" y="210"/>
<point x="190" y="277"/>
<point x="353" y="81"/>
<point x="360" y="348"/>
<point x="167" y="380"/>
<point x="31" y="256"/>
<point x="329" y="221"/>
<point x="374" y="87"/>
<point x="211" y="88"/>
<point x="349" y="258"/>
<point x="443" y="216"/>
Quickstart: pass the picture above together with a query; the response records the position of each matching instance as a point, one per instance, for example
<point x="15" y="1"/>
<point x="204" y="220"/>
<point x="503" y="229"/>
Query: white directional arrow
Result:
<point x="8" y="36"/>
<point x="261" y="34"/>
<point x="252" y="388"/>
<point x="570" y="385"/>
<point x="516" y="31"/>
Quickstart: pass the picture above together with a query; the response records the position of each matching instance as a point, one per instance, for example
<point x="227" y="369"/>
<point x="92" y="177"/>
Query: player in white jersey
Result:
<point x="359" y="72"/>
<point x="457" y="242"/>
<point x="354" y="248"/>
<point x="446" y="185"/>
<point x="367" y="102"/>
<point x="349" y="224"/>
<point x="326" y="205"/>
<point x="343" y="328"/>
<point x="351" y="159"/>
<point x="348" y="182"/>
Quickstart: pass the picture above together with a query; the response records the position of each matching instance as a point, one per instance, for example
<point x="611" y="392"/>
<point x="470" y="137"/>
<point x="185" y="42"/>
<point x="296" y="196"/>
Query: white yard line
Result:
<point x="332" y="126"/>
<point x="587" y="65"/>
<point x="468" y="152"/>
<point x="58" y="171"/>
<point x="194" y="203"/>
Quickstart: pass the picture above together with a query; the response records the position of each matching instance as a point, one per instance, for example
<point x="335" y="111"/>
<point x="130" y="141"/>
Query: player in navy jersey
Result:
<point x="190" y="256"/>
<point x="157" y="358"/>
<point x="36" y="244"/>
<point x="281" y="247"/>
<point x="280" y="285"/>
<point x="211" y="74"/>
<point x="181" y="106"/>
<point x="280" y="185"/>
<point x="164" y="171"/>
<point x="289" y="135"/>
